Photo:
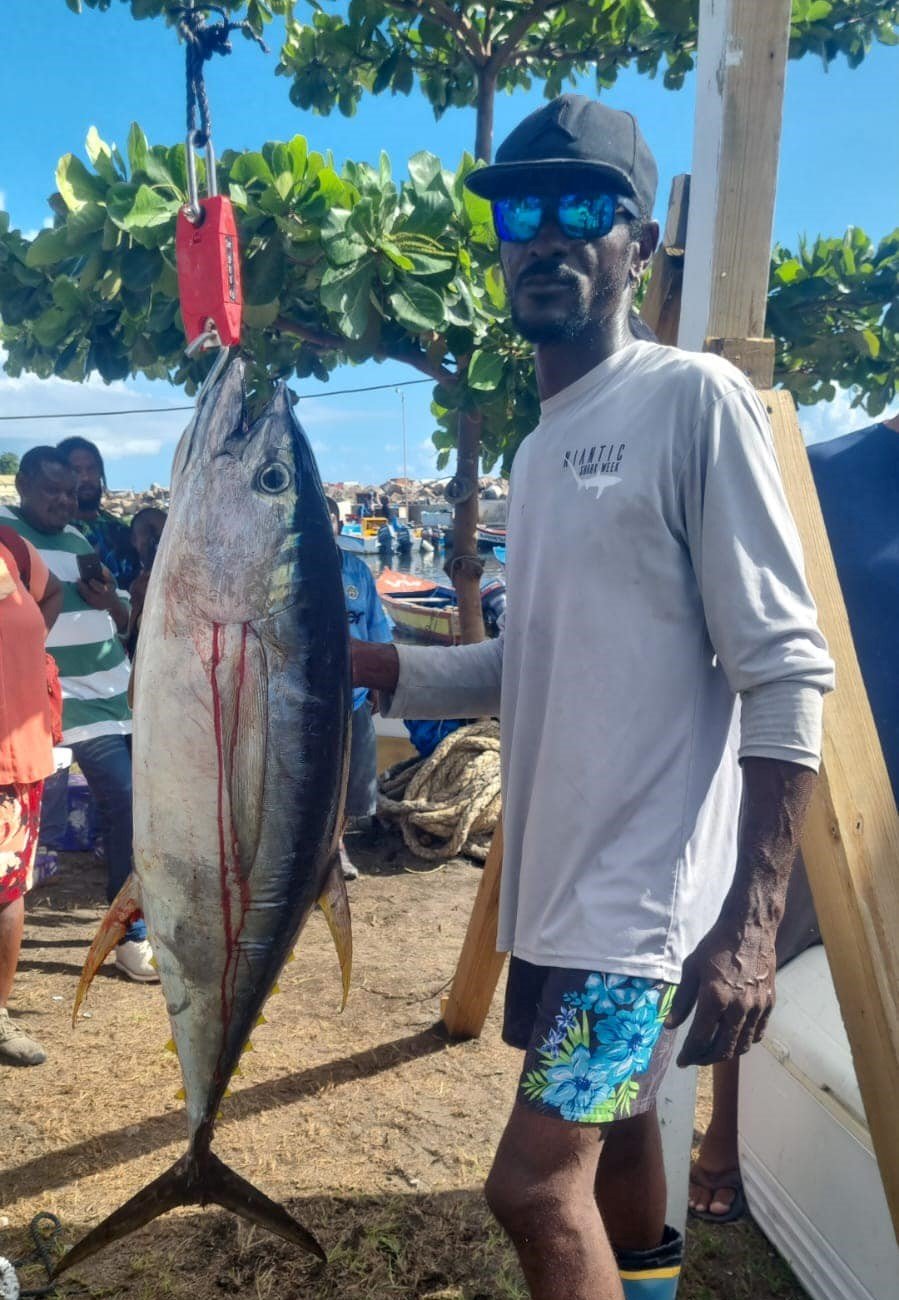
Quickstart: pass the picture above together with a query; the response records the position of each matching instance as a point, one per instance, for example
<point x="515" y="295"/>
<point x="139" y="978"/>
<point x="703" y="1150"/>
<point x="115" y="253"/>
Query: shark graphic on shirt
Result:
<point x="596" y="481"/>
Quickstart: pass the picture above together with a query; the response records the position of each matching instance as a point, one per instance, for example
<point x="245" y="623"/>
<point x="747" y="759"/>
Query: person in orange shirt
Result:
<point x="30" y="600"/>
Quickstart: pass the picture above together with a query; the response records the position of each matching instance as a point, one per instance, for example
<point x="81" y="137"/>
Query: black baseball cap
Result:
<point x="581" y="138"/>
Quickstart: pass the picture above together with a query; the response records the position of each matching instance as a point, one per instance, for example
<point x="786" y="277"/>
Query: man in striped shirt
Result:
<point x="93" y="669"/>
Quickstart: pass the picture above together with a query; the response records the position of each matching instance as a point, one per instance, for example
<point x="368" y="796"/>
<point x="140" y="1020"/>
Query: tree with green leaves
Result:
<point x="349" y="266"/>
<point x="461" y="52"/>
<point x="9" y="462"/>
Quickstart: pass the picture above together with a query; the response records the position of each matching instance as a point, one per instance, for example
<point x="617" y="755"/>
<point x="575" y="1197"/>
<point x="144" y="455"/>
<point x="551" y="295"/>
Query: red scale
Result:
<point x="208" y="261"/>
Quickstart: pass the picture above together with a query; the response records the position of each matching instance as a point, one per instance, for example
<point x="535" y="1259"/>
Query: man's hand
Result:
<point x="100" y="593"/>
<point x="730" y="976"/>
<point x="376" y="664"/>
<point x="730" y="980"/>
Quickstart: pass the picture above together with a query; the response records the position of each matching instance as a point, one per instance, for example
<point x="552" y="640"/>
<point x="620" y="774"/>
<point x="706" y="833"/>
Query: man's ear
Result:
<point x="649" y="242"/>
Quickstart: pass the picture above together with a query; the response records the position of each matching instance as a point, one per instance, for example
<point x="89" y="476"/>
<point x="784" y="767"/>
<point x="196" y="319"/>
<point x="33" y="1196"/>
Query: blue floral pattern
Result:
<point x="601" y="1039"/>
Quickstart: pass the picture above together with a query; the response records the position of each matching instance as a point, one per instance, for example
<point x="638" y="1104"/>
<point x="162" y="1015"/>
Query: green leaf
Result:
<point x="424" y="167"/>
<point x="149" y="208"/>
<point x="346" y="290"/>
<point x="485" y="370"/>
<point x="873" y="342"/>
<point x="263" y="273"/>
<point x="100" y="155"/>
<point x="49" y="247"/>
<point x="415" y="305"/>
<point x="52" y="326"/>
<point x="76" y="184"/>
<point x="138" y="149"/>
<point x="251" y="167"/>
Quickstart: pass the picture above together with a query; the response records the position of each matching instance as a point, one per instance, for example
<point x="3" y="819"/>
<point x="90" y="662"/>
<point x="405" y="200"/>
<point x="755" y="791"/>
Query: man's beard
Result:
<point x="587" y="313"/>
<point x="89" y="497"/>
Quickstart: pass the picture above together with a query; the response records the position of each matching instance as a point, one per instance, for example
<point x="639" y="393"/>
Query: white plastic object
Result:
<point x="9" y="1283"/>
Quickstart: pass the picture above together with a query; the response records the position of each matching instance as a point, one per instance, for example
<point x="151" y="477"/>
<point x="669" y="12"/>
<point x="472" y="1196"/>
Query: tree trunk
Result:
<point x="466" y="573"/>
<point x="466" y="566"/>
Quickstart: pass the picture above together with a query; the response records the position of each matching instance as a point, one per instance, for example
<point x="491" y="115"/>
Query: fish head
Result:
<point x="249" y="506"/>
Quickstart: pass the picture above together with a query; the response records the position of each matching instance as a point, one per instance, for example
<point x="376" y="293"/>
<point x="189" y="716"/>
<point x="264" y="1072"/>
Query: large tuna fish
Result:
<point x="241" y="715"/>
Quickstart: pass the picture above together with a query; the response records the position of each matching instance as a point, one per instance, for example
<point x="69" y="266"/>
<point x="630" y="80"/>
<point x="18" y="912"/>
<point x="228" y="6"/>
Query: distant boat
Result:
<point x="427" y="610"/>
<point x="361" y="538"/>
<point x="500" y="553"/>
<point x="488" y="537"/>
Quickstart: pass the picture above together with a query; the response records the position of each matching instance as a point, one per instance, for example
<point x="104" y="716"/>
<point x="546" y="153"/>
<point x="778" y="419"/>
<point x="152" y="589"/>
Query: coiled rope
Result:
<point x="448" y="803"/>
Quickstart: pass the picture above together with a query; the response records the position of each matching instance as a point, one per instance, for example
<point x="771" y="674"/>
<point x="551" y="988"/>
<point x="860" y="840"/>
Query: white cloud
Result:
<point x="2" y="200"/>
<point x="832" y="419"/>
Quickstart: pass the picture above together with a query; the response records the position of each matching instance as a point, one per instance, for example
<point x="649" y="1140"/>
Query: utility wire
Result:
<point x="164" y="410"/>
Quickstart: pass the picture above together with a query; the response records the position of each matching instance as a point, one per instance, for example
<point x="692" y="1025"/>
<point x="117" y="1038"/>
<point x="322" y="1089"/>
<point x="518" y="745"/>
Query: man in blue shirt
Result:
<point x="367" y="622"/>
<point x="857" y="479"/>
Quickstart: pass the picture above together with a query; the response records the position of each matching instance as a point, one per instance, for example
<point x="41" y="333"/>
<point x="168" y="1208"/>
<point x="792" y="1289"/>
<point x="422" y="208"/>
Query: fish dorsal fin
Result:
<point x="336" y="907"/>
<point x="240" y="702"/>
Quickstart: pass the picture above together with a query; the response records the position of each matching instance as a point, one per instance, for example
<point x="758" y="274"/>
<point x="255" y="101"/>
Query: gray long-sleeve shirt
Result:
<point x="654" y="579"/>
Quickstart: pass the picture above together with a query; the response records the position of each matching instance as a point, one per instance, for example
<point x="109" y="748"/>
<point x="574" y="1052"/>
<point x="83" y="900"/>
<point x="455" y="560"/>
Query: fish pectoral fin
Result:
<point x="336" y="906"/>
<point x="122" y="911"/>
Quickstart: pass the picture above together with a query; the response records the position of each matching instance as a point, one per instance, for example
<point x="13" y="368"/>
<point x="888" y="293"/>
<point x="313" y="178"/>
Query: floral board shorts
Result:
<point x="595" y="1044"/>
<point x="20" y="820"/>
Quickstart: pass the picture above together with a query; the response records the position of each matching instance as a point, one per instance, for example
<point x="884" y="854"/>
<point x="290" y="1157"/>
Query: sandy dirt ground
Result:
<point x="370" y="1126"/>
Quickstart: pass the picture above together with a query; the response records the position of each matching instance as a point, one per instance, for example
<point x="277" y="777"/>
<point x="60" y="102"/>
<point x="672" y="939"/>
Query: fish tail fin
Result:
<point x="122" y="910"/>
<point x="189" y="1182"/>
<point x="226" y="1188"/>
<point x="165" y="1192"/>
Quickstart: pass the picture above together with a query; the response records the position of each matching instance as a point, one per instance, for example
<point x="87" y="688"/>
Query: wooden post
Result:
<point x="851" y="839"/>
<point x="662" y="303"/>
<point x="739" y="105"/>
<point x="480" y="965"/>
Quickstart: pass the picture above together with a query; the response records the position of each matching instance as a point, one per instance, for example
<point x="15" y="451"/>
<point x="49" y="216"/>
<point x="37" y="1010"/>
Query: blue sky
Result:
<point x="63" y="74"/>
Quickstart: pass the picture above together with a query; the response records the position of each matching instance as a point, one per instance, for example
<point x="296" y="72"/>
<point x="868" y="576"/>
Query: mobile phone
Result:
<point x="90" y="568"/>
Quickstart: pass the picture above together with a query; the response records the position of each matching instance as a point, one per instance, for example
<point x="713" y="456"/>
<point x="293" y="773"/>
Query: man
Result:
<point x="109" y="536"/>
<point x="857" y="477"/>
<point x="146" y="534"/>
<point x="367" y="622"/>
<point x="654" y="574"/>
<point x="93" y="669"/>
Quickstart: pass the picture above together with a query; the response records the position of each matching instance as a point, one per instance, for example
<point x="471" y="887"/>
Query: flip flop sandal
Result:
<point x="726" y="1180"/>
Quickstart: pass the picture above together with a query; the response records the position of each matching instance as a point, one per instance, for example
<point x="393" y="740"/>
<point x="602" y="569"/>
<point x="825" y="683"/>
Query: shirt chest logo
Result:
<point x="595" y="468"/>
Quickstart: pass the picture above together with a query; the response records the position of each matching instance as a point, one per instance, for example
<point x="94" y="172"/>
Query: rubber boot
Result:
<point x="652" y="1274"/>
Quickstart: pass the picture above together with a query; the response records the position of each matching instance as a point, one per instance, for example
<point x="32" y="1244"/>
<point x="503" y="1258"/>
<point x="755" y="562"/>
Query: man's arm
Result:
<point x="432" y="682"/>
<point x="45" y="588"/>
<point x="730" y="976"/>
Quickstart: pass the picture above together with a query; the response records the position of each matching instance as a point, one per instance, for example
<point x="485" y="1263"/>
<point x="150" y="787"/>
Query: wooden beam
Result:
<point x="755" y="357"/>
<point x="851" y="839"/>
<point x="480" y="965"/>
<point x="741" y="74"/>
<point x="660" y="308"/>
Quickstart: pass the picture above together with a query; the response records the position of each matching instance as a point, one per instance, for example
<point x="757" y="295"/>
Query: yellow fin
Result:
<point x="335" y="905"/>
<point x="276" y="988"/>
<point x="237" y="1072"/>
<point x="247" y="1048"/>
<point x="122" y="910"/>
<point x="291" y="956"/>
<point x="260" y="1020"/>
<point x="154" y="963"/>
<point x="170" y="1046"/>
<point x="229" y="1092"/>
<point x="180" y="1095"/>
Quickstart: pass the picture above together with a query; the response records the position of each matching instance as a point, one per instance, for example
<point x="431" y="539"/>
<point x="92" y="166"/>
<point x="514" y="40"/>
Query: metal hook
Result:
<point x="192" y="208"/>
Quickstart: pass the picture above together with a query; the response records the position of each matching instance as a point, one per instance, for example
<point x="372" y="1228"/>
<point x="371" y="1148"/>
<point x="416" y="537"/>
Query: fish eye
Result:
<point x="273" y="479"/>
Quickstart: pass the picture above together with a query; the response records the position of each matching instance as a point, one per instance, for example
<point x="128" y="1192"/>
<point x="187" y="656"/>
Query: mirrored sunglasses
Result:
<point x="518" y="218"/>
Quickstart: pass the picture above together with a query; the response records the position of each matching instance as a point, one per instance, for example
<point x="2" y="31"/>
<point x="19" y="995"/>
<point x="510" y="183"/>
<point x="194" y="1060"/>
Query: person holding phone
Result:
<point x="108" y="535"/>
<point x="94" y="671"/>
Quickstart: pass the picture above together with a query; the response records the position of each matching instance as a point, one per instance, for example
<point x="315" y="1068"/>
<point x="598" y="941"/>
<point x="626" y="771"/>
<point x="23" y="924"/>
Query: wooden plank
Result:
<point x="741" y="73"/>
<point x="755" y="357"/>
<point x="660" y="308"/>
<point x="480" y="965"/>
<point x="851" y="840"/>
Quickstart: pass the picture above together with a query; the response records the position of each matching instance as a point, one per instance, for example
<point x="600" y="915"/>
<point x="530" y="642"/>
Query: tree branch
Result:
<point x="465" y="35"/>
<point x="511" y="34"/>
<point x="409" y="354"/>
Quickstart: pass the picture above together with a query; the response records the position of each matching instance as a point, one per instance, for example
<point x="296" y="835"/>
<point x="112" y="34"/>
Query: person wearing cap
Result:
<point x="659" y="683"/>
